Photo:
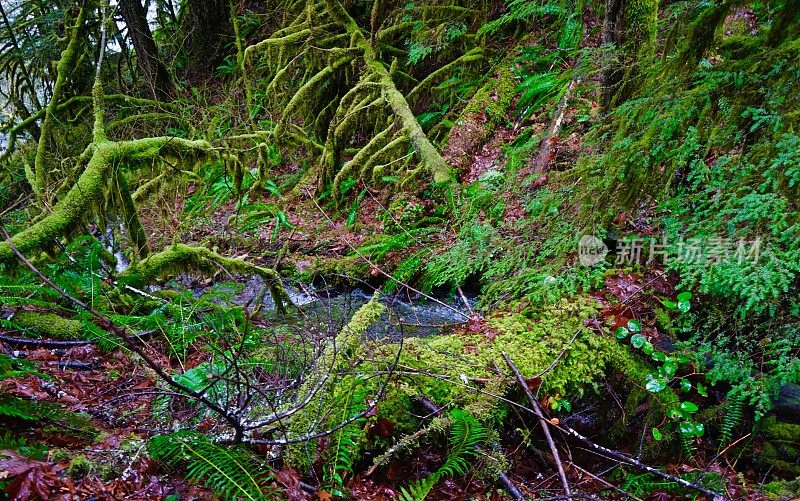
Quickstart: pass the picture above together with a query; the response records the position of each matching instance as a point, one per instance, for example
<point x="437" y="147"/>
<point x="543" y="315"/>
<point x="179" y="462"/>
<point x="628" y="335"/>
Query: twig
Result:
<point x="464" y="299"/>
<point x="555" y="361"/>
<point x="78" y="365"/>
<point x="605" y="482"/>
<point x="544" y="423"/>
<point x="619" y="457"/>
<point x="48" y="343"/>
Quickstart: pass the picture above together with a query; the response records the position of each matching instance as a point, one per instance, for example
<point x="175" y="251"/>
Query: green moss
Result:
<point x="332" y="388"/>
<point x="181" y="258"/>
<point x="80" y="466"/>
<point x="664" y="322"/>
<point x="781" y="446"/>
<point x="90" y="193"/>
<point x="49" y="325"/>
<point x="484" y="112"/>
<point x="66" y="64"/>
<point x="783" y="489"/>
<point x="60" y="455"/>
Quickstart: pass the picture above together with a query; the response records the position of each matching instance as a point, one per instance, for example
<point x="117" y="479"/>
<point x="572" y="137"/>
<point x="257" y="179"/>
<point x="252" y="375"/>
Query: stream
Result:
<point x="407" y="313"/>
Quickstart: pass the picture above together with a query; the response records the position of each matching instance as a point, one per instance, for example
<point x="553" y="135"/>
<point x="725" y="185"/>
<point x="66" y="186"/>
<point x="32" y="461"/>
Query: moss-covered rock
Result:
<point x="781" y="448"/>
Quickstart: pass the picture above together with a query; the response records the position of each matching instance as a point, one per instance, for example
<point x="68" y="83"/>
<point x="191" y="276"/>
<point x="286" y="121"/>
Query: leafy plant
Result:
<point x="345" y="444"/>
<point x="466" y="433"/>
<point x="230" y="471"/>
<point x="666" y="373"/>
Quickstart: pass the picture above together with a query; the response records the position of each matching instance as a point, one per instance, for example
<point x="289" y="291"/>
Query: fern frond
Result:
<point x="33" y="450"/>
<point x="734" y="414"/>
<point x="521" y="11"/>
<point x="230" y="472"/>
<point x="466" y="433"/>
<point x="346" y="442"/>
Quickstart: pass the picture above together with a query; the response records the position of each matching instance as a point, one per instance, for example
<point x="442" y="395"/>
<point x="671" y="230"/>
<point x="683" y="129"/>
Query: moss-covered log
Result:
<point x="49" y="325"/>
<point x="317" y="393"/>
<point x="182" y="258"/>
<point x="482" y="114"/>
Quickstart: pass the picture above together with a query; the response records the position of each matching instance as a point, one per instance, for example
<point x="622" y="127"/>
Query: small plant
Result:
<point x="466" y="433"/>
<point x="666" y="373"/>
<point x="231" y="472"/>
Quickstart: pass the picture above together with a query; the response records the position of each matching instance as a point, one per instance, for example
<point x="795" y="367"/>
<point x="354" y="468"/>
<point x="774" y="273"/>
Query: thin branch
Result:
<point x="544" y="423"/>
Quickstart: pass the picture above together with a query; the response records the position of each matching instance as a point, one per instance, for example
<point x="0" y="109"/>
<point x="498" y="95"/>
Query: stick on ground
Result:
<point x="537" y="409"/>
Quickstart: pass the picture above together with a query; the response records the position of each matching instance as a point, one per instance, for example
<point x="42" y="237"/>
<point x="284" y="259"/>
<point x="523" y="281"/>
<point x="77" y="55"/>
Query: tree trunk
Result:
<point x="630" y="25"/>
<point x="153" y="70"/>
<point x="208" y="28"/>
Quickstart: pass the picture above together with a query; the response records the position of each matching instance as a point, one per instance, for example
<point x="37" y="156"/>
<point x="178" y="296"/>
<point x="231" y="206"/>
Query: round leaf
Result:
<point x="637" y="340"/>
<point x="657" y="436"/>
<point x="634" y="326"/>
<point x="655" y="385"/>
<point x="688" y="407"/>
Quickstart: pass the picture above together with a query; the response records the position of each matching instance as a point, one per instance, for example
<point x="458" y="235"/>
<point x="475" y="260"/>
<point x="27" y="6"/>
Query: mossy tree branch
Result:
<point x="182" y="258"/>
<point x="65" y="65"/>
<point x="428" y="155"/>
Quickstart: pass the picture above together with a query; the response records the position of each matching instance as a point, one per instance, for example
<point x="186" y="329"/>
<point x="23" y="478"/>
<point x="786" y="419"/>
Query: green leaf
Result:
<point x="648" y="348"/>
<point x="684" y="306"/>
<point x="634" y="326"/>
<point x="669" y="304"/>
<point x="637" y="340"/>
<point x="686" y="385"/>
<point x="621" y="332"/>
<point x="655" y="385"/>
<point x="691" y="428"/>
<point x="688" y="407"/>
<point x="659" y="356"/>
<point x="670" y="366"/>
<point x="702" y="390"/>
<point x="684" y="297"/>
<point x="657" y="436"/>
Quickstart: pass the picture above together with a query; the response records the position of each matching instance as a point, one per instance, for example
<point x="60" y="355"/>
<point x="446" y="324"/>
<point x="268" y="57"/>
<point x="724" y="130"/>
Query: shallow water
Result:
<point x="406" y="314"/>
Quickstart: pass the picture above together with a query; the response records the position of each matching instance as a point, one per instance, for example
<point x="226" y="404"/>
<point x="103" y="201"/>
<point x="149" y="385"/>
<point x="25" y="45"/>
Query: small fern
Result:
<point x="33" y="450"/>
<point x="521" y="11"/>
<point x="466" y="433"/>
<point x="230" y="472"/>
<point x="14" y="367"/>
<point x="346" y="444"/>
<point x="80" y="425"/>
<point x="734" y="414"/>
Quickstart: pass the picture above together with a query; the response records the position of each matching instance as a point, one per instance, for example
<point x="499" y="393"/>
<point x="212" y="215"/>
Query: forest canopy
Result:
<point x="419" y="249"/>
